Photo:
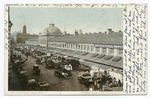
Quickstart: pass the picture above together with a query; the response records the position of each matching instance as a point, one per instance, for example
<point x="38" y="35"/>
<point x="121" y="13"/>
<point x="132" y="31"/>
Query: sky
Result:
<point x="89" y="20"/>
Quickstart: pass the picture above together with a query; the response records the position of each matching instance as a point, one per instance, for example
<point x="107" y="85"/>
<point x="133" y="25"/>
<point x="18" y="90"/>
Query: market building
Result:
<point x="106" y="49"/>
<point x="109" y="43"/>
<point x="21" y="38"/>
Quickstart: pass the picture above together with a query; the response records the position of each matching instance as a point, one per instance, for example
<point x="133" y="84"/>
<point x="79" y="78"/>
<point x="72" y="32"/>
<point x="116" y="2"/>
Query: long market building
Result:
<point x="105" y="49"/>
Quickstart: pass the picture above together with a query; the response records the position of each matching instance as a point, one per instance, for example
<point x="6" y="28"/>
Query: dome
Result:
<point x="51" y="30"/>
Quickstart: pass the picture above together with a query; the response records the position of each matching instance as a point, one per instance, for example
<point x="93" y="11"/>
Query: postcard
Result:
<point x="75" y="49"/>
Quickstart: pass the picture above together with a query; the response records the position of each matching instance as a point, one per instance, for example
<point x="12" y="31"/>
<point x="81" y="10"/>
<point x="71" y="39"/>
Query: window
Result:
<point x="81" y="47"/>
<point x="78" y="46"/>
<point x="104" y="50"/>
<point x="97" y="49"/>
<point x="71" y="46"/>
<point x="111" y="51"/>
<point x="92" y="48"/>
<point x="84" y="47"/>
<point x="88" y="47"/>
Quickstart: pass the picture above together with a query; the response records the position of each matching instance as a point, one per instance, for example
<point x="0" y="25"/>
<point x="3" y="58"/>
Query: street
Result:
<point x="56" y="84"/>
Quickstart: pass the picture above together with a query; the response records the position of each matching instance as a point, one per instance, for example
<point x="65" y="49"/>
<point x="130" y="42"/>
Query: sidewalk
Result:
<point x="102" y="62"/>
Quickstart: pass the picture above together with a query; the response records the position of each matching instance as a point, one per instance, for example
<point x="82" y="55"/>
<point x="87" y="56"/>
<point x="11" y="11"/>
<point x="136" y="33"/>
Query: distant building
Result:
<point x="21" y="38"/>
<point x="13" y="34"/>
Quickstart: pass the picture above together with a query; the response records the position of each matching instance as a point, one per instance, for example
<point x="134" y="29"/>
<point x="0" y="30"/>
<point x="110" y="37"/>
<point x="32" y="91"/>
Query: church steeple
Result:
<point x="24" y="29"/>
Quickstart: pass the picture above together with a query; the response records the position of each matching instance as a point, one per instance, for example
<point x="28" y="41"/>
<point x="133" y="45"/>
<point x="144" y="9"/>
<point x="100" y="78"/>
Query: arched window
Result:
<point x="76" y="46"/>
<point x="88" y="47"/>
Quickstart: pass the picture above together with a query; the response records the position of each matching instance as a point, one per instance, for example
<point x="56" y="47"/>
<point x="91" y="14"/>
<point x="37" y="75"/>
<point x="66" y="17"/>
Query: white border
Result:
<point x="3" y="60"/>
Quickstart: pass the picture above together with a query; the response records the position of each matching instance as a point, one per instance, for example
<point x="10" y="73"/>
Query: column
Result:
<point x="101" y="50"/>
<point x="107" y="51"/>
<point x="116" y="52"/>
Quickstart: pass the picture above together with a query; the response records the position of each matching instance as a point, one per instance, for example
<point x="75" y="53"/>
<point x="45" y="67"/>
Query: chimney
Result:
<point x="76" y="33"/>
<point x="120" y="31"/>
<point x="80" y="32"/>
<point x="109" y="31"/>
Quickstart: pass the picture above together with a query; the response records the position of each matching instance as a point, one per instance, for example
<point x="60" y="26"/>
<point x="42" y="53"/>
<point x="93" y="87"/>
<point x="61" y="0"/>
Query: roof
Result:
<point x="32" y="39"/>
<point x="51" y="30"/>
<point x="23" y="72"/>
<point x="31" y="82"/>
<point x="34" y="36"/>
<point x="35" y="65"/>
<point x="23" y="35"/>
<point x="102" y="38"/>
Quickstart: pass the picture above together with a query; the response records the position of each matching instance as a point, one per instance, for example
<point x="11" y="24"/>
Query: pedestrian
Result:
<point x="119" y="83"/>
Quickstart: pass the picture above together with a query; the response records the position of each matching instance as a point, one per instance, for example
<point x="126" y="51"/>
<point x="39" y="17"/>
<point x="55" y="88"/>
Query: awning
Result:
<point x="108" y="57"/>
<point x="94" y="55"/>
<point x="101" y="56"/>
<point x="84" y="54"/>
<point x="116" y="59"/>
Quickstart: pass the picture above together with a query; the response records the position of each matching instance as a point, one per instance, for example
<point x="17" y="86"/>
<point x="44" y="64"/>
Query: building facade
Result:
<point x="21" y="38"/>
<point x="109" y="43"/>
<point x="50" y="32"/>
<point x="114" y="50"/>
